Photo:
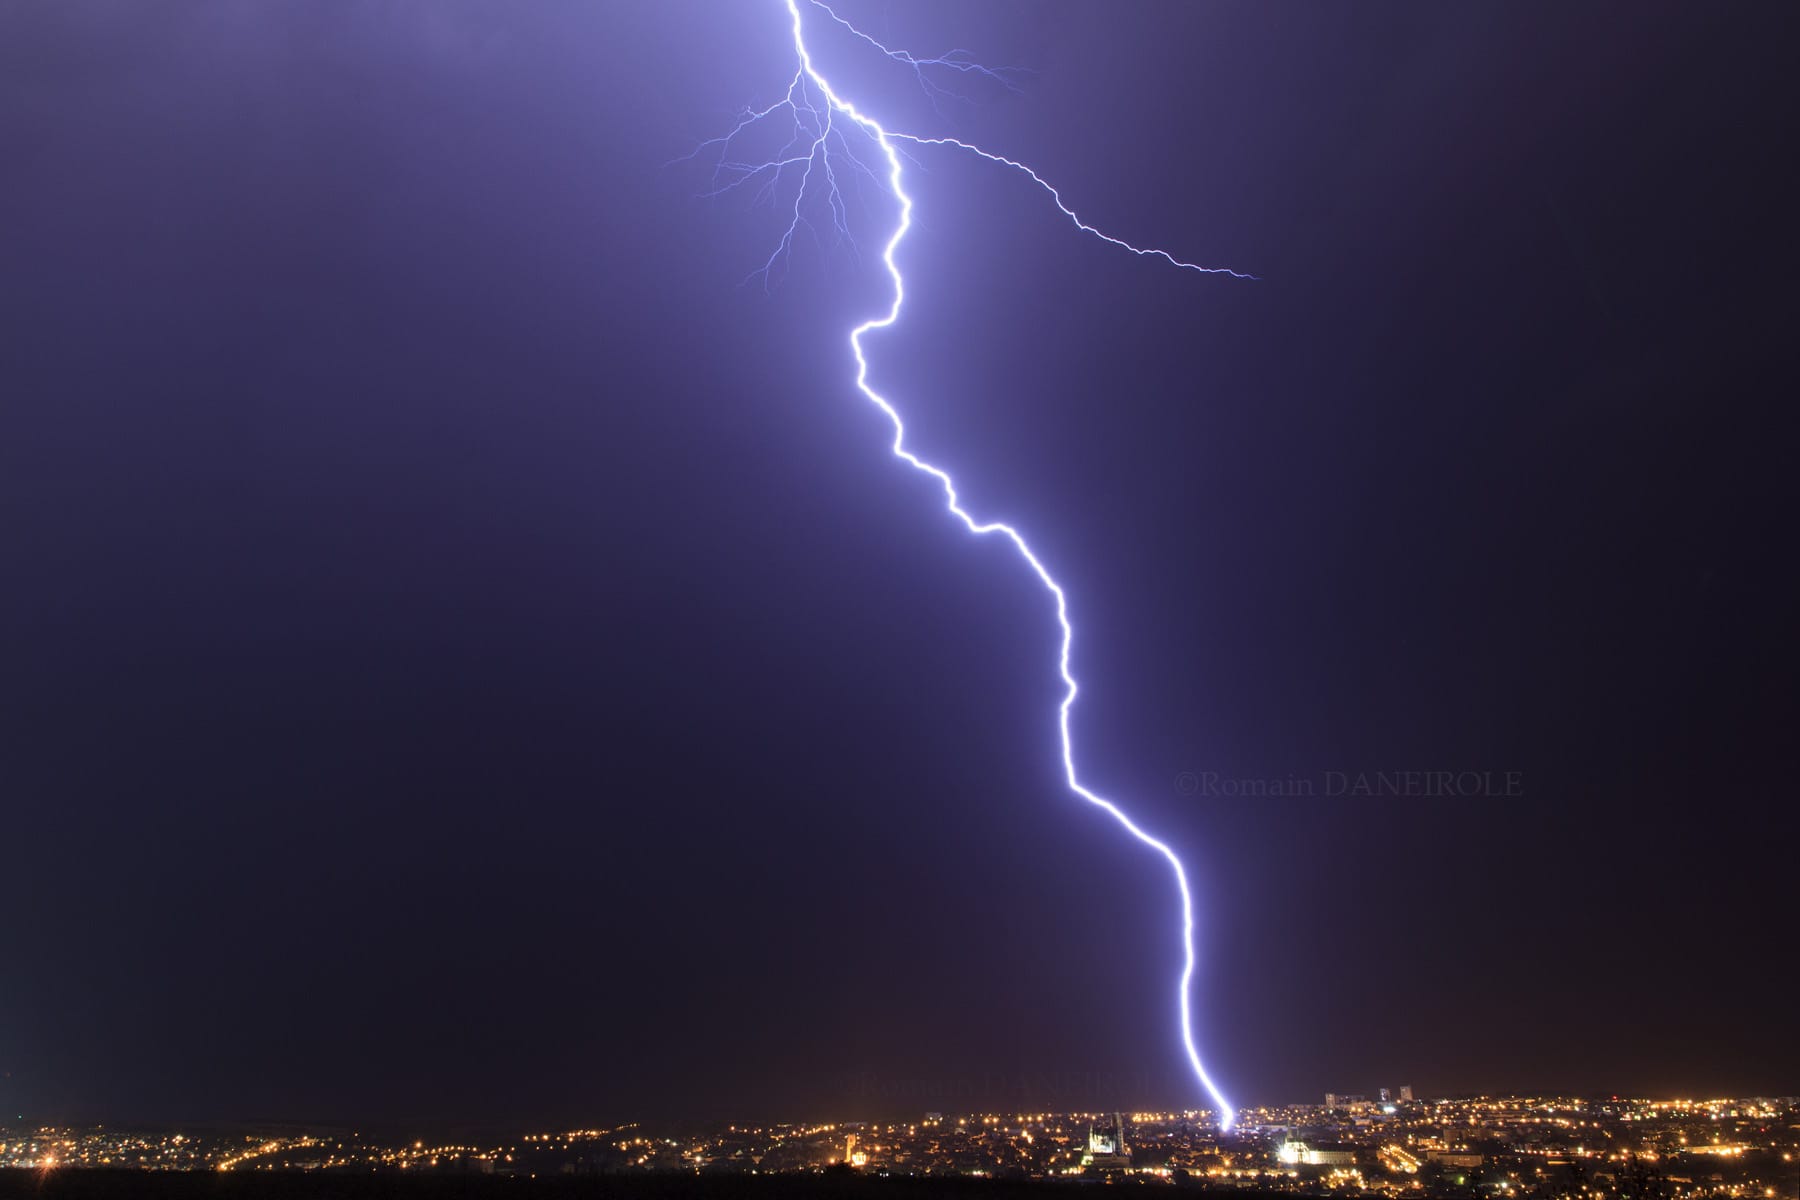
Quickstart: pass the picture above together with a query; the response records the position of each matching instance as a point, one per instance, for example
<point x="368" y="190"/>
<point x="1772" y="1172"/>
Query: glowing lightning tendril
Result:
<point x="822" y="121"/>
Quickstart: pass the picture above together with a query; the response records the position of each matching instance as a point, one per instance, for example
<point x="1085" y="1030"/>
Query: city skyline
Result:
<point x="1541" y="1146"/>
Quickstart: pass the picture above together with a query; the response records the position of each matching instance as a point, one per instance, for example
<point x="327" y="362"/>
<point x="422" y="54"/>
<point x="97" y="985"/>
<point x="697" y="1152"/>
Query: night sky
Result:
<point x="466" y="657"/>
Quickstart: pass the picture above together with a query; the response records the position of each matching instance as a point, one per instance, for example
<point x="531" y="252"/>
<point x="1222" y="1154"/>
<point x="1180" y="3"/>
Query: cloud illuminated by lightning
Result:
<point x="830" y="141"/>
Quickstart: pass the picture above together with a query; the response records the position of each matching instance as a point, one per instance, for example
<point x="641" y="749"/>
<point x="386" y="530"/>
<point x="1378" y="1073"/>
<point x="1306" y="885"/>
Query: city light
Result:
<point x="1546" y="1147"/>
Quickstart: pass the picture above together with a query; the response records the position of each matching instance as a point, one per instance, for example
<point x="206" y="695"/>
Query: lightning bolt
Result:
<point x="824" y="128"/>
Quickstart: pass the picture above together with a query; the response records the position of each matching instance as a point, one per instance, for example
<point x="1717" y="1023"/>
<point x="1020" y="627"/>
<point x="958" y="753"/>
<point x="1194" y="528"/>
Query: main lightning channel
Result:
<point x="886" y="141"/>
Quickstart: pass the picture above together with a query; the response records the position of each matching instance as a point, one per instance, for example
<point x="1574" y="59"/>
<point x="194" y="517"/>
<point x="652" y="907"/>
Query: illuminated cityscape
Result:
<point x="1502" y="1147"/>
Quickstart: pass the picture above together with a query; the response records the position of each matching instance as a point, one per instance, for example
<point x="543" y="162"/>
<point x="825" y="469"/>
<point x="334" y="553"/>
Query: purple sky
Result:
<point x="463" y="657"/>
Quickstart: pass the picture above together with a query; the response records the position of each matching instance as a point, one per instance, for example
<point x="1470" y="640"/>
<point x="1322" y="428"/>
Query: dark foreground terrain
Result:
<point x="320" y="1185"/>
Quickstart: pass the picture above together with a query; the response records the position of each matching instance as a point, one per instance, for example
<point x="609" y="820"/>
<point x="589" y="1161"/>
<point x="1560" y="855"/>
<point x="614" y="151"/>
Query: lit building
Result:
<point x="1106" y="1148"/>
<point x="1297" y="1153"/>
